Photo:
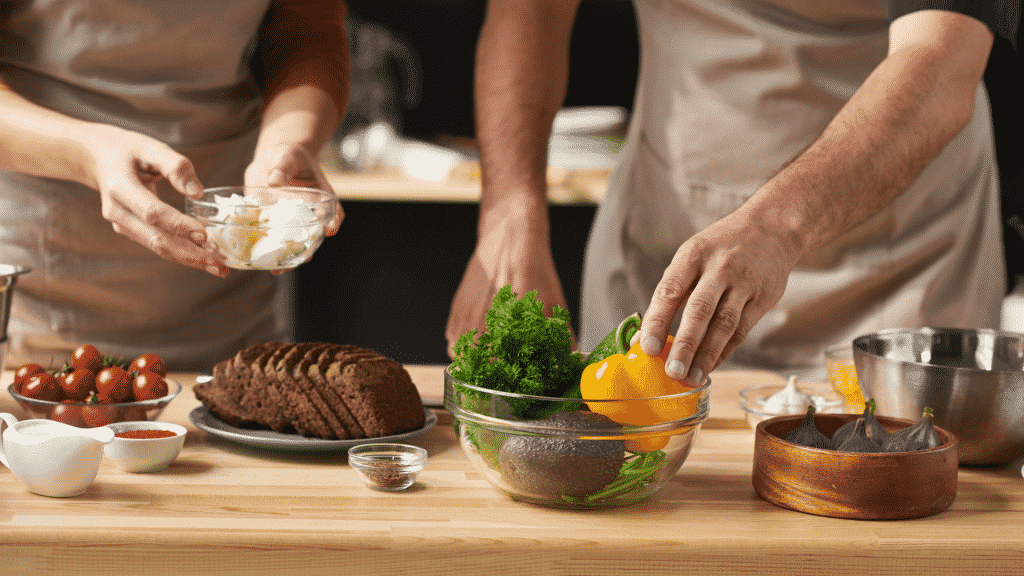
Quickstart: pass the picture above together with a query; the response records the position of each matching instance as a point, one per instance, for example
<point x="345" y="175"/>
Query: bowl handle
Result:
<point x="11" y="421"/>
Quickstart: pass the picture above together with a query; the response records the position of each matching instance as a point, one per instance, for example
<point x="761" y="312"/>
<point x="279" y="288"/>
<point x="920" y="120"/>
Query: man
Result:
<point x="797" y="172"/>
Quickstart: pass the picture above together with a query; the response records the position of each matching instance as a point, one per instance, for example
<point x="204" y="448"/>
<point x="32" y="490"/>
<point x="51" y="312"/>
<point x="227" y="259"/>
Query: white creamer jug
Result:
<point x="52" y="458"/>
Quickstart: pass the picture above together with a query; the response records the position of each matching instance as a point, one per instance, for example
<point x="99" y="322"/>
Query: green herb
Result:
<point x="521" y="351"/>
<point x="639" y="470"/>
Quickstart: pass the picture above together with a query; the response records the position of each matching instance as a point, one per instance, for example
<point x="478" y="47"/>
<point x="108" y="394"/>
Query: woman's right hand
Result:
<point x="124" y="167"/>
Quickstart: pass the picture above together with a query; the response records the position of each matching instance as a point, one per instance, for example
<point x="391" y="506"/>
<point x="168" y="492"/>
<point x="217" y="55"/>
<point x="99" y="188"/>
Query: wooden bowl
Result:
<point x="885" y="486"/>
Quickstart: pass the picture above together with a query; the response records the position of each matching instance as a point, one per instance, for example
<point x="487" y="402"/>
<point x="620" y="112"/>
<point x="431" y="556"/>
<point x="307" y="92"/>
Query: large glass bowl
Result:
<point x="264" y="228"/>
<point x="572" y="457"/>
<point x="88" y="415"/>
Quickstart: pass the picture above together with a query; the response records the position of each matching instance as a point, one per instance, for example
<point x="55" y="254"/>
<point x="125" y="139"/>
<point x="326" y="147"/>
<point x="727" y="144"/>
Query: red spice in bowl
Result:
<point x="142" y="434"/>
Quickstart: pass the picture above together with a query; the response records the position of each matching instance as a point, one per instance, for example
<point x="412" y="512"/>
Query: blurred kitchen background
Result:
<point x="403" y="163"/>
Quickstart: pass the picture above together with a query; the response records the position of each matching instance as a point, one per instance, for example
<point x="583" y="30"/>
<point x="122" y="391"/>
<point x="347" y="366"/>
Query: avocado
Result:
<point x="554" y="466"/>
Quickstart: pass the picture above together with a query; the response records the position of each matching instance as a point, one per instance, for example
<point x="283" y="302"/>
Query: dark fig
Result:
<point x="874" y="430"/>
<point x="858" y="440"/>
<point x="807" y="434"/>
<point x="920" y="436"/>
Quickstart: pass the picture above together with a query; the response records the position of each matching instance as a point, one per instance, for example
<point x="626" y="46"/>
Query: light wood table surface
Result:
<point x="222" y="508"/>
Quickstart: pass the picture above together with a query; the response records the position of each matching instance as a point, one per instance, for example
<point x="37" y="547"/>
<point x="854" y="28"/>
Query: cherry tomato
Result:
<point x="94" y="415"/>
<point x="149" y="363"/>
<point x="68" y="414"/>
<point x="113" y="385"/>
<point x="23" y="372"/>
<point x="148" y="386"/>
<point x="42" y="386"/>
<point x="87" y="356"/>
<point x="78" y="383"/>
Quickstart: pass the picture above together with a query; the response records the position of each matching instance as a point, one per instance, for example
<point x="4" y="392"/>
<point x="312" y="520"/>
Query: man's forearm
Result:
<point x="915" y="102"/>
<point x="520" y="83"/>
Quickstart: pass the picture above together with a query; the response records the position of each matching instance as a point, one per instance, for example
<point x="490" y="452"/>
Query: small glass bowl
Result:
<point x="825" y="399"/>
<point x="87" y="415"/>
<point x="387" y="467"/>
<point x="261" y="227"/>
<point x="574" y="457"/>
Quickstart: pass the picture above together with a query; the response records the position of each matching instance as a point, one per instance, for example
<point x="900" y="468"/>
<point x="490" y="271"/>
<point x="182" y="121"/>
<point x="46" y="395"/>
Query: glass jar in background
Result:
<point x="842" y="375"/>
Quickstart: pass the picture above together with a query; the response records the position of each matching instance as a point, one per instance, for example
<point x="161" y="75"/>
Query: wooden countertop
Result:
<point x="223" y="508"/>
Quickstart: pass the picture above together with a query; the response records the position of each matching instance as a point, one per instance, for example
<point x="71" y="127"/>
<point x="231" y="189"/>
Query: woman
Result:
<point x="110" y="113"/>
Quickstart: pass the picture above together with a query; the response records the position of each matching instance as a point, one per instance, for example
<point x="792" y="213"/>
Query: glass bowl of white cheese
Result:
<point x="263" y="227"/>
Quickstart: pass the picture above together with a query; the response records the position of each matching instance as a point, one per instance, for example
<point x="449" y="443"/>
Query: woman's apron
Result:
<point x="731" y="90"/>
<point x="178" y="71"/>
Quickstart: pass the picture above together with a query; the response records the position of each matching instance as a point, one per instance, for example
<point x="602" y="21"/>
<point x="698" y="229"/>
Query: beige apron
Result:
<point x="176" y="70"/>
<point x="728" y="92"/>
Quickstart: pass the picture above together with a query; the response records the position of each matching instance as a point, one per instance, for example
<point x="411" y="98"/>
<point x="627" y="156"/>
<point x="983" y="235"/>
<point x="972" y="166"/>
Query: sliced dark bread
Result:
<point x="262" y="398"/>
<point x="298" y="408"/>
<point x="219" y="402"/>
<point x="316" y="373"/>
<point x="239" y="375"/>
<point x="379" y="393"/>
<point x="300" y="376"/>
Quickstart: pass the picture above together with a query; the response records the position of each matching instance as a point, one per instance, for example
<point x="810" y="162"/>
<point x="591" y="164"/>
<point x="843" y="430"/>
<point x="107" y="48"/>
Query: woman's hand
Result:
<point x="285" y="164"/>
<point x="124" y="167"/>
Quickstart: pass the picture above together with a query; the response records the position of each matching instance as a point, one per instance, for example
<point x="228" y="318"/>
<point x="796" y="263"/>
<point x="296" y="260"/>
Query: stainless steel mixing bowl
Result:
<point x="8" y="276"/>
<point x="972" y="379"/>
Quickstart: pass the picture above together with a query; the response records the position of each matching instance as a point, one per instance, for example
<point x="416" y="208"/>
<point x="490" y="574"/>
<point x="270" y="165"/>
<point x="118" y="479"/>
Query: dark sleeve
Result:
<point x="1001" y="16"/>
<point x="303" y="42"/>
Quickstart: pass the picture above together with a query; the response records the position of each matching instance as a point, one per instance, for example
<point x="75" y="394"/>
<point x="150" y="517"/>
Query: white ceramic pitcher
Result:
<point x="52" y="458"/>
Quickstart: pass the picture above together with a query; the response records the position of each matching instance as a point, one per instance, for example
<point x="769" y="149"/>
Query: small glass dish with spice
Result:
<point x="145" y="446"/>
<point x="387" y="467"/>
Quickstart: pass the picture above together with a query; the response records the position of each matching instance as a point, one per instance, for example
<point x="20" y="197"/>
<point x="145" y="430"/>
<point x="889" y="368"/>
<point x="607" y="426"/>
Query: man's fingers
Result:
<point x="727" y="323"/>
<point x="698" y="312"/>
<point x="670" y="295"/>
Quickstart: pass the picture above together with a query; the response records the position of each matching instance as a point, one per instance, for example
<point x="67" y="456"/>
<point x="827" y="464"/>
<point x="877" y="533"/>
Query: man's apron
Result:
<point x="731" y="90"/>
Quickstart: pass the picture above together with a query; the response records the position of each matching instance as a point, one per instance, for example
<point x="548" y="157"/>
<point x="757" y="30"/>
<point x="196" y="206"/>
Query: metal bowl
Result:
<point x="973" y="380"/>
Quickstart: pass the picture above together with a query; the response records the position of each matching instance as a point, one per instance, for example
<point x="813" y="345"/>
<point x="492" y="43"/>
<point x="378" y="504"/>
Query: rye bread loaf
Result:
<point x="315" y="389"/>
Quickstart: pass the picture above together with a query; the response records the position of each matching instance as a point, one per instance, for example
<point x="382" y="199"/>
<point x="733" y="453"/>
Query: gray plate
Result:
<point x="203" y="419"/>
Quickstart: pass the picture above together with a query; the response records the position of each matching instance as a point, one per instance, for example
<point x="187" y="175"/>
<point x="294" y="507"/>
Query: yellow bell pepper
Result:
<point x="632" y="380"/>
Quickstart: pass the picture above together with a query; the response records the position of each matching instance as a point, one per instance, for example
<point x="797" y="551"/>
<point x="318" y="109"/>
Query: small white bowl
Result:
<point x="144" y="454"/>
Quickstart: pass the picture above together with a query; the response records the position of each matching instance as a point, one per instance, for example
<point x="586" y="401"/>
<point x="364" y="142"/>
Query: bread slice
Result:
<point x="298" y="408"/>
<point x="222" y="405"/>
<point x="301" y="379"/>
<point x="332" y="397"/>
<point x="379" y="393"/>
<point x="262" y="398"/>
<point x="238" y="373"/>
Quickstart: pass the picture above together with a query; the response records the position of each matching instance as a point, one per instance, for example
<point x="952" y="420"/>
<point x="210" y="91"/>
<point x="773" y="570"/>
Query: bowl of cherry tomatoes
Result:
<point x="91" y="389"/>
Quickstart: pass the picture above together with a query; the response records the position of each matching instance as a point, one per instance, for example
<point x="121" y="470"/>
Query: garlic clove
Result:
<point x="789" y="400"/>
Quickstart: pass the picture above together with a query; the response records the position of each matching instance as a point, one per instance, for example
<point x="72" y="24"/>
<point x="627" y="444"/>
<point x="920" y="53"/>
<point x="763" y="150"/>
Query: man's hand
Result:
<point x="512" y="249"/>
<point x="724" y="279"/>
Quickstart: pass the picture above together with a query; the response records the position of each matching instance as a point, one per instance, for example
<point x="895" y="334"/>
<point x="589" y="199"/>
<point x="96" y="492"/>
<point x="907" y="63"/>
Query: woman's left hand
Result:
<point x="290" y="165"/>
